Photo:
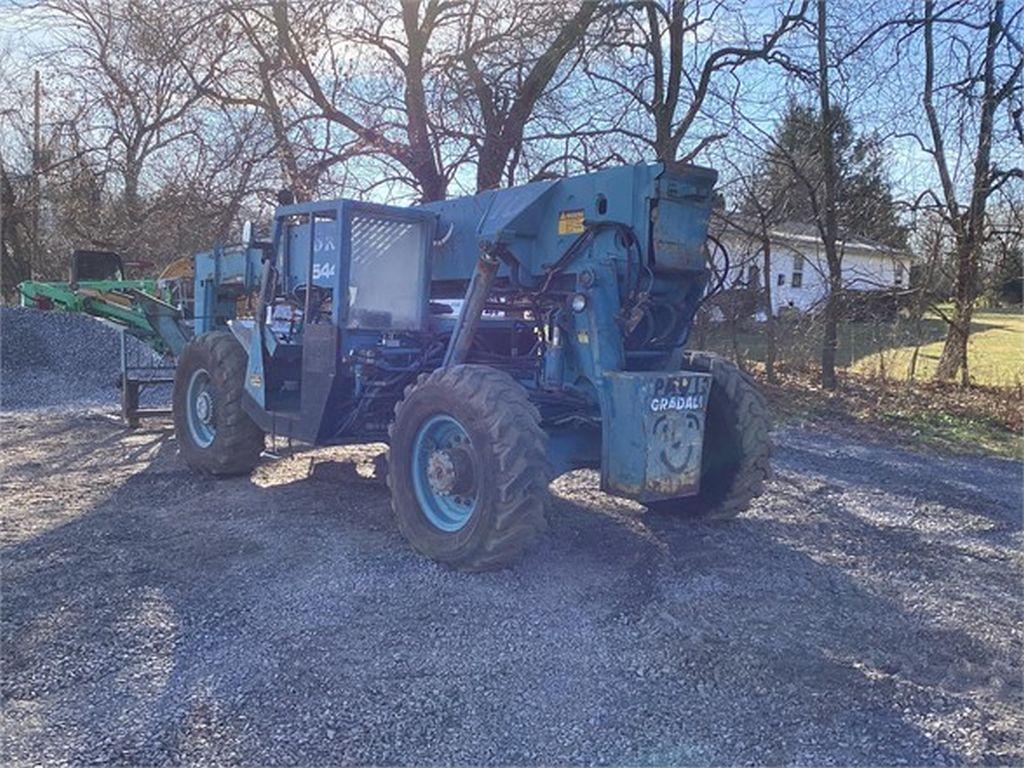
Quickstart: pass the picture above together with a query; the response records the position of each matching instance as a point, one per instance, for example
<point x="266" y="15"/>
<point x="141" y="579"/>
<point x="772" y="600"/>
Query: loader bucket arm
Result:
<point x="164" y="321"/>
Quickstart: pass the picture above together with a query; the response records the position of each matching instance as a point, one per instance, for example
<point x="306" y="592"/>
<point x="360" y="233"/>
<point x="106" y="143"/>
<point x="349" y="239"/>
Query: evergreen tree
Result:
<point x="793" y="174"/>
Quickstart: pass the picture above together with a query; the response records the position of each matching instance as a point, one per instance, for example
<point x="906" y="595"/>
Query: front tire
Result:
<point x="215" y="435"/>
<point x="736" y="459"/>
<point x="467" y="467"/>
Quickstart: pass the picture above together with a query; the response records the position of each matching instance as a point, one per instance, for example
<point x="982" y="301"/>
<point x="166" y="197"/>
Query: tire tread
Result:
<point x="512" y="424"/>
<point x="751" y="421"/>
<point x="239" y="440"/>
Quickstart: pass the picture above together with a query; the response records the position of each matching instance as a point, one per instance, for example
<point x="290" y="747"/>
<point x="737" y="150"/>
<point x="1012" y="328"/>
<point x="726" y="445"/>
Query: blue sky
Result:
<point x="878" y="95"/>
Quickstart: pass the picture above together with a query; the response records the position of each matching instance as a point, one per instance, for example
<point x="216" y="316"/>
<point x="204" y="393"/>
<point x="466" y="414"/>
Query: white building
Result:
<point x="800" y="270"/>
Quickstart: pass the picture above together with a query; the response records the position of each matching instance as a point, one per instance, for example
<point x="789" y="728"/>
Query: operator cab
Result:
<point x="95" y="266"/>
<point x="342" y="282"/>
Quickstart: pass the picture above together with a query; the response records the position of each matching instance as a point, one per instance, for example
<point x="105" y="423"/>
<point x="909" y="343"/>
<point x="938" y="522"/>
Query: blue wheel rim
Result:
<point x="202" y="423"/>
<point x="439" y="437"/>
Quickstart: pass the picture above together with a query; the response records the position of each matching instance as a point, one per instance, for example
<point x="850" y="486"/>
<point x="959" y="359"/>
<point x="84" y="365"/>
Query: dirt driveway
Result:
<point x="869" y="610"/>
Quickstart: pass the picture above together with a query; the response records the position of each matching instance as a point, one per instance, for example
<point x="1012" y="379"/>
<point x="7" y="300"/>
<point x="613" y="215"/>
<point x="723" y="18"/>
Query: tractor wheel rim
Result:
<point x="444" y="473"/>
<point x="202" y="417"/>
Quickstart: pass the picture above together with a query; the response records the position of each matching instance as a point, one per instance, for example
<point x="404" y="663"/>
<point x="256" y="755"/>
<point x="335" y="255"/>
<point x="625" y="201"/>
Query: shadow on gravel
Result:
<point x="75" y="451"/>
<point x="185" y="619"/>
<point x="978" y="484"/>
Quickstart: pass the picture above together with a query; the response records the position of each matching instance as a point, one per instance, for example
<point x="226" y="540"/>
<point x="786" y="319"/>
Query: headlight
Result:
<point x="578" y="302"/>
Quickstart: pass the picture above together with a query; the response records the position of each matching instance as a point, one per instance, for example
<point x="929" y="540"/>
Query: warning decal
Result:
<point x="570" y="222"/>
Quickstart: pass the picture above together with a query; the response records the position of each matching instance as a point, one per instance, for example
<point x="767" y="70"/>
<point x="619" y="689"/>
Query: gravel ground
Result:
<point x="868" y="611"/>
<point x="62" y="361"/>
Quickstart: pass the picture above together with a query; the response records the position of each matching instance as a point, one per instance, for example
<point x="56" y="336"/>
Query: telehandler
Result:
<point x="492" y="341"/>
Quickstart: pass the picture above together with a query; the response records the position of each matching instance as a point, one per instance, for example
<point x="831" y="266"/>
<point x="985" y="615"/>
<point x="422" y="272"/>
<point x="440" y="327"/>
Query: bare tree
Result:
<point x="509" y="56"/>
<point x="254" y="76"/>
<point x="829" y="176"/>
<point x="15" y="234"/>
<point x="453" y="81"/>
<point x="760" y="207"/>
<point x="122" y="61"/>
<point x="969" y="74"/>
<point x="394" y="43"/>
<point x="136" y="157"/>
<point x="828" y="221"/>
<point x="665" y="63"/>
<point x="932" y="234"/>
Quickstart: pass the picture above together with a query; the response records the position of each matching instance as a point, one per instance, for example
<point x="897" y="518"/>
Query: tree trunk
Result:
<point x="130" y="194"/>
<point x="970" y="234"/>
<point x="734" y="337"/>
<point x="771" y="340"/>
<point x="422" y="162"/>
<point x="830" y="338"/>
<point x="433" y="185"/>
<point x="504" y="127"/>
<point x="954" y="350"/>
<point x="491" y="163"/>
<point x="829" y="226"/>
<point x="300" y="186"/>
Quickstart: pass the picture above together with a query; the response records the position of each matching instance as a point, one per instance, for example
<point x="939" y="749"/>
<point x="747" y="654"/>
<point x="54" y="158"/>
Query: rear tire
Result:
<point x="467" y="467"/>
<point x="215" y="435"/>
<point x="736" y="459"/>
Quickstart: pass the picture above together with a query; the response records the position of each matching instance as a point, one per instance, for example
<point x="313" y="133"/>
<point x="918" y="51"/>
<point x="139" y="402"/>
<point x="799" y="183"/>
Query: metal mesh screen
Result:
<point x="387" y="273"/>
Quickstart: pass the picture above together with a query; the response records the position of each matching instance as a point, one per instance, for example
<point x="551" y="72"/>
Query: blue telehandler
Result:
<point x="492" y="342"/>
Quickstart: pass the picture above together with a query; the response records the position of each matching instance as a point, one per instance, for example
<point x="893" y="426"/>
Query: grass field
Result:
<point x="876" y="357"/>
<point x="995" y="353"/>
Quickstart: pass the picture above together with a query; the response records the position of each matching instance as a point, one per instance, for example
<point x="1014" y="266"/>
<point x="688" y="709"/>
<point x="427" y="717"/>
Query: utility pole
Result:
<point x="37" y="163"/>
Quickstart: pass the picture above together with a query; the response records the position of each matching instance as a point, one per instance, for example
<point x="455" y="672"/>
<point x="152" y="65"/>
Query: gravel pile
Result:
<point x="61" y="360"/>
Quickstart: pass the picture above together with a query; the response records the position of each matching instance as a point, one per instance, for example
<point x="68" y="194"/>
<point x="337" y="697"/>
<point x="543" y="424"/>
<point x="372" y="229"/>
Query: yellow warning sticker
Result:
<point x="570" y="222"/>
